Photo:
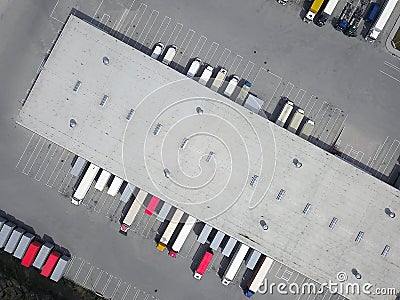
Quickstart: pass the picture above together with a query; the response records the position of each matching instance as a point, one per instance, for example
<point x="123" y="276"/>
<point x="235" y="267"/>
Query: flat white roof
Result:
<point x="217" y="191"/>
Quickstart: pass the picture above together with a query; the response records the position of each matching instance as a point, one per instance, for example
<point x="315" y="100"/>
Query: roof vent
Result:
<point x="280" y="195"/>
<point x="184" y="143"/>
<point x="359" y="237"/>
<point x="157" y="129"/>
<point x="104" y="100"/>
<point x="254" y="180"/>
<point x="390" y="213"/>
<point x="333" y="223"/>
<point x="385" y="250"/>
<point x="297" y="163"/>
<point x="210" y="155"/>
<point x="106" y="60"/>
<point x="306" y="209"/>
<point x="77" y="85"/>
<point x="72" y="123"/>
<point x="199" y="110"/>
<point x="130" y="114"/>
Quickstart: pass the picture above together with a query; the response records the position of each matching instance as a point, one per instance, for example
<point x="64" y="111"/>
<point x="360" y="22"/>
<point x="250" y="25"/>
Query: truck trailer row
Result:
<point x="23" y="246"/>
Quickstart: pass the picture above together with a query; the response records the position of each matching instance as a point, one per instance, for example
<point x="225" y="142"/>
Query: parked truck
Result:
<point x="234" y="265"/>
<point x="42" y="255"/>
<point x="315" y="6"/>
<point x="343" y="19"/>
<point x="381" y="20"/>
<point x="5" y="233"/>
<point x="355" y="19"/>
<point x="285" y="112"/>
<point x="202" y="267"/>
<point x="296" y="120"/>
<point x="182" y="236"/>
<point x="244" y="91"/>
<point x="327" y="12"/>
<point x="23" y="245"/>
<point x="132" y="212"/>
<point x="307" y="129"/>
<point x="219" y="79"/>
<point x="165" y="238"/>
<point x="14" y="239"/>
<point x="258" y="276"/>
<point x="60" y="268"/>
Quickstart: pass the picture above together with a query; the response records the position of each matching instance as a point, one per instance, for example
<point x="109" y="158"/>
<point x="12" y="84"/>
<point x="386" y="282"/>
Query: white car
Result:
<point x="169" y="55"/>
<point x="206" y="75"/>
<point x="230" y="88"/>
<point x="158" y="48"/>
<point x="194" y="68"/>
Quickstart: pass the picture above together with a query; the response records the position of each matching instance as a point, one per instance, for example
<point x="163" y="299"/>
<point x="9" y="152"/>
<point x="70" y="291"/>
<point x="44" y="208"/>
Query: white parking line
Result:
<point x="152" y="24"/>
<point x="98" y="278"/>
<point x="79" y="269"/>
<point x="391" y="157"/>
<point x="226" y="58"/>
<point x="70" y="264"/>
<point x="315" y="101"/>
<point x="394" y="78"/>
<point x="48" y="163"/>
<point x="126" y="292"/>
<point x="392" y="66"/>
<point x="315" y="118"/>
<point x="162" y="26"/>
<point x="88" y="274"/>
<point x="138" y="22"/>
<point x="116" y="288"/>
<point x="112" y="203"/>
<point x="244" y="75"/>
<point x="54" y="8"/>
<point x="201" y="48"/>
<point x="183" y="42"/>
<point x="104" y="23"/>
<point x="30" y="157"/>
<point x="59" y="169"/>
<point x="51" y="14"/>
<point x="190" y="249"/>
<point x="133" y="19"/>
<point x="105" y="200"/>
<point x="23" y="153"/>
<point x="380" y="147"/>
<point x="62" y="182"/>
<point x="205" y="57"/>
<point x="145" y="226"/>
<point x="152" y="225"/>
<point x="341" y="128"/>
<point x="137" y="293"/>
<point x="121" y="20"/>
<point x="273" y="95"/>
<point x="327" y="123"/>
<point x="284" y="93"/>
<point x="237" y="64"/>
<point x="176" y="35"/>
<point x="107" y="283"/>
<point x="297" y="95"/>
<point x="97" y="9"/>
<point x="44" y="159"/>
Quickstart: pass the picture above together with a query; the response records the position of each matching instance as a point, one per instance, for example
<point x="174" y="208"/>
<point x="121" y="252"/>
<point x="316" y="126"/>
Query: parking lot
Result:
<point x="50" y="166"/>
<point x="272" y="70"/>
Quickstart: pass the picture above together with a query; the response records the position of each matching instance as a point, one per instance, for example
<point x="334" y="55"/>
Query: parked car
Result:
<point x="158" y="48"/>
<point x="169" y="55"/>
<point x="194" y="68"/>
